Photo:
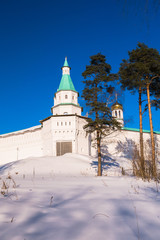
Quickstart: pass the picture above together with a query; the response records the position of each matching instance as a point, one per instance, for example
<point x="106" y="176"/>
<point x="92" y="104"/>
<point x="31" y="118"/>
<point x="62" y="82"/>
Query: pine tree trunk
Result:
<point x="151" y="131"/>
<point x="141" y="133"/>
<point x="98" y="146"/>
<point x="99" y="155"/>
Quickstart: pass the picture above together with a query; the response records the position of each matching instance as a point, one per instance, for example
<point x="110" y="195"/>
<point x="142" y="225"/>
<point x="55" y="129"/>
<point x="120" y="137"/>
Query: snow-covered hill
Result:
<point x="61" y="198"/>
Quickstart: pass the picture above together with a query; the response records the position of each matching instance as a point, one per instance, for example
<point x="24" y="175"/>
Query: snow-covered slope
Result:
<point x="60" y="198"/>
<point x="69" y="164"/>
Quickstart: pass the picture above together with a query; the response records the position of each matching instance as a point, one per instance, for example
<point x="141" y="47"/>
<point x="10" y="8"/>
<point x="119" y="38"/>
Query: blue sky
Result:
<point x="35" y="37"/>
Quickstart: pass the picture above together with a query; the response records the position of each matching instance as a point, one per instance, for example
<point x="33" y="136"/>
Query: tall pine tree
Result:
<point x="97" y="77"/>
<point x="140" y="73"/>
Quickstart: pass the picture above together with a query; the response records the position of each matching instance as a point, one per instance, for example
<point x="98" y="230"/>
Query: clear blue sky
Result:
<point x="35" y="37"/>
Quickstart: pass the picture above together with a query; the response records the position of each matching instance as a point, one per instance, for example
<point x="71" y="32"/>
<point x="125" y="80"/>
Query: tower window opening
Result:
<point x="72" y="97"/>
<point x="57" y="123"/>
<point x="66" y="96"/>
<point x="61" y="123"/>
<point x="116" y="113"/>
<point x="119" y="113"/>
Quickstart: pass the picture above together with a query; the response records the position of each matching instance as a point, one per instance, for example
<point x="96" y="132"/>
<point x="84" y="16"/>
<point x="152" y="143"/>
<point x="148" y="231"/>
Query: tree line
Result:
<point x="139" y="73"/>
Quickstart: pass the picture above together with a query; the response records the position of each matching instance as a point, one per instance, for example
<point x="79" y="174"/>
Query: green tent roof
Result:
<point x="66" y="83"/>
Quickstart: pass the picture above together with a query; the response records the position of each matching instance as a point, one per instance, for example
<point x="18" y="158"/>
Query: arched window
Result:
<point x="116" y="113"/>
<point x="119" y="113"/>
<point x="66" y="96"/>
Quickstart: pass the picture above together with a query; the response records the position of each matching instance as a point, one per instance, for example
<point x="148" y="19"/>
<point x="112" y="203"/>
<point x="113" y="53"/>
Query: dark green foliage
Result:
<point x="97" y="89"/>
<point x="143" y="65"/>
<point x="155" y="92"/>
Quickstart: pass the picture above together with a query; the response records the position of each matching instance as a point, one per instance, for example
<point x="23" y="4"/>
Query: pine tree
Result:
<point x="97" y="77"/>
<point x="140" y="72"/>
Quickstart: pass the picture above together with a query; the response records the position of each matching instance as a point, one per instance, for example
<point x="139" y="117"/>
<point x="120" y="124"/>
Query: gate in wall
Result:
<point x="63" y="147"/>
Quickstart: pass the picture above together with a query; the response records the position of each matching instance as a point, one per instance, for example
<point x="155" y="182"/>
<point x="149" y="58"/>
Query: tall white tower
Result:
<point x="66" y="97"/>
<point x="117" y="112"/>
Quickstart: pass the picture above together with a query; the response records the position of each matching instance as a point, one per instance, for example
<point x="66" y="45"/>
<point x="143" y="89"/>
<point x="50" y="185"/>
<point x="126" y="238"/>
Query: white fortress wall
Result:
<point x="123" y="143"/>
<point x="83" y="141"/>
<point x="41" y="140"/>
<point x="21" y="144"/>
<point x="46" y="134"/>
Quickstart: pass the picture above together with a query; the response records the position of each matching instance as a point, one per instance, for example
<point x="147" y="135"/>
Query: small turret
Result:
<point x="117" y="112"/>
<point x="65" y="68"/>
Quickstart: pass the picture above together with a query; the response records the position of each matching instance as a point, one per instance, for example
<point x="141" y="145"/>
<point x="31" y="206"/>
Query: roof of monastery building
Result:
<point x="66" y="81"/>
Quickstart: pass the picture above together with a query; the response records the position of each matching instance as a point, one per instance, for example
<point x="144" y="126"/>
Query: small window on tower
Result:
<point x="119" y="114"/>
<point x="66" y="96"/>
<point x="59" y="97"/>
<point x="116" y="113"/>
<point x="72" y="97"/>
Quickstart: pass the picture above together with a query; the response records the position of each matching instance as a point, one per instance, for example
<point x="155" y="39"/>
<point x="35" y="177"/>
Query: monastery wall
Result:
<point x="46" y="135"/>
<point x="123" y="143"/>
<point x="42" y="140"/>
<point x="21" y="144"/>
<point x="83" y="139"/>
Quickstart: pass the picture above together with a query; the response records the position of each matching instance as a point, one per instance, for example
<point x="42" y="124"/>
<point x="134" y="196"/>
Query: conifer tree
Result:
<point x="97" y="77"/>
<point x="140" y="72"/>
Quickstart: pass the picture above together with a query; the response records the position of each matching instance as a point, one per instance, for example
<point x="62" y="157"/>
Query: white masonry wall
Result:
<point x="41" y="140"/>
<point x="21" y="144"/>
<point x="47" y="135"/>
<point x="123" y="143"/>
<point x="83" y="139"/>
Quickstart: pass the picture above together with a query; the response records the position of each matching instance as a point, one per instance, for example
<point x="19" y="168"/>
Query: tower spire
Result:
<point x="66" y="81"/>
<point x="116" y="96"/>
<point x="66" y="97"/>
<point x="65" y="63"/>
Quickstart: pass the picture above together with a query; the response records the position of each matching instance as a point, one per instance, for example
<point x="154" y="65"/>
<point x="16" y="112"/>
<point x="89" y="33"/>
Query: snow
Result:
<point x="62" y="198"/>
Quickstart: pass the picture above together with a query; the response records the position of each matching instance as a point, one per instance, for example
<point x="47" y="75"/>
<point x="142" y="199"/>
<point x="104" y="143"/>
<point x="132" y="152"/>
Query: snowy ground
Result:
<point x="60" y="198"/>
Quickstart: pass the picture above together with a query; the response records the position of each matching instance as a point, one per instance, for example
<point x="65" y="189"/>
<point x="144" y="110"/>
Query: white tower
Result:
<point x="66" y="97"/>
<point x="117" y="112"/>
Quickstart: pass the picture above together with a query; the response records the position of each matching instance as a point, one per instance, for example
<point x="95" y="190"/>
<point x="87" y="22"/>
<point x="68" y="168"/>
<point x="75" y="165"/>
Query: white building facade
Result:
<point x="63" y="131"/>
